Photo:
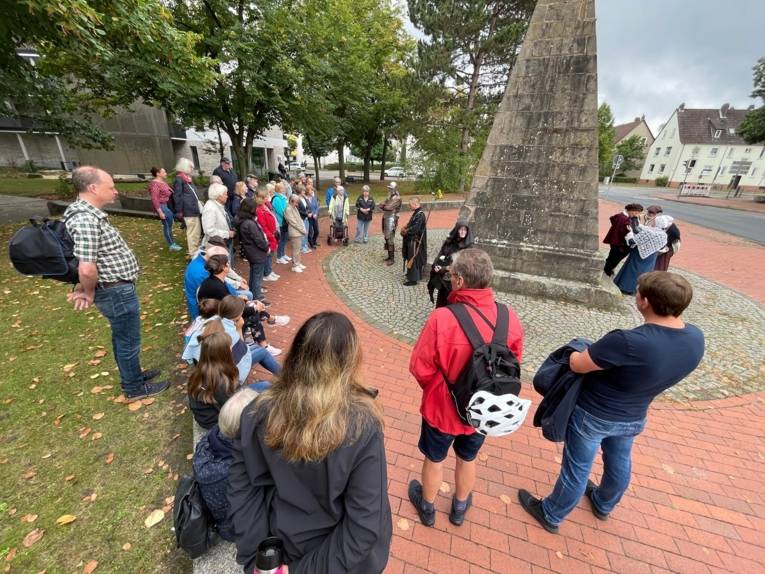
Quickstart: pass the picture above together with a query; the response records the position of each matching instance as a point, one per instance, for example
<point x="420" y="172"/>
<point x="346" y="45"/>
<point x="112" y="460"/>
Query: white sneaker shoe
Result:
<point x="302" y="267"/>
<point x="281" y="260"/>
<point x="281" y="320"/>
<point x="288" y="258"/>
<point x="297" y="269"/>
<point x="274" y="351"/>
<point x="273" y="276"/>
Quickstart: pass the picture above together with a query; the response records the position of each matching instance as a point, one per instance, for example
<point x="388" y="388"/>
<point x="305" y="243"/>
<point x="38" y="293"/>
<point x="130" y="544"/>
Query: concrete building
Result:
<point x="702" y="146"/>
<point x="637" y="127"/>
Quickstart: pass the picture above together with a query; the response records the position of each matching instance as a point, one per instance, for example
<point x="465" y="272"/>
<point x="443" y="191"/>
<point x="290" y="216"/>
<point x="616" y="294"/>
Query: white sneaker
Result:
<point x="274" y="351"/>
<point x="269" y="278"/>
<point x="288" y="258"/>
<point x="281" y="320"/>
<point x="274" y="276"/>
<point x="297" y="269"/>
<point x="303" y="267"/>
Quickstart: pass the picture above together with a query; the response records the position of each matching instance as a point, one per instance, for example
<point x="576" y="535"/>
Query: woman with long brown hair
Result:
<point x="310" y="466"/>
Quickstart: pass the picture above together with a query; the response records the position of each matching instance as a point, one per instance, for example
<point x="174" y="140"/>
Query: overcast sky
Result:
<point x="654" y="55"/>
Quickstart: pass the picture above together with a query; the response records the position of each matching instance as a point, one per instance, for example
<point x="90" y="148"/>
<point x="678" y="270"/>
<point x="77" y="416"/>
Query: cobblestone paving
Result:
<point x="734" y="325"/>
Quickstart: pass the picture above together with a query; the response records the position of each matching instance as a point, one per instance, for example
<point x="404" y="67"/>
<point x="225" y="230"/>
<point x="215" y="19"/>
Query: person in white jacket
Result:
<point x="216" y="220"/>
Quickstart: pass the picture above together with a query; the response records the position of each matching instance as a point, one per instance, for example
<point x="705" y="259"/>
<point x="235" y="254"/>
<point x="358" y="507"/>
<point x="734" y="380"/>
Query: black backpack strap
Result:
<point x="502" y="326"/>
<point x="466" y="323"/>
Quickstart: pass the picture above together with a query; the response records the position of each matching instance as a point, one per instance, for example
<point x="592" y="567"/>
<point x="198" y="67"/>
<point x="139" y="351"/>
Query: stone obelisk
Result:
<point x="534" y="198"/>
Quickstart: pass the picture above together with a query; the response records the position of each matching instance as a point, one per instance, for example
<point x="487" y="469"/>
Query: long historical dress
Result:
<point x="641" y="259"/>
<point x="415" y="234"/>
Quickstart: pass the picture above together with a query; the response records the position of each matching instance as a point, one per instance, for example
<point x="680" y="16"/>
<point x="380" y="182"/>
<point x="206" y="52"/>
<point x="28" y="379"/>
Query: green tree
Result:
<point x="752" y="128"/>
<point x="469" y="50"/>
<point x="606" y="135"/>
<point x="633" y="151"/>
<point x="95" y="56"/>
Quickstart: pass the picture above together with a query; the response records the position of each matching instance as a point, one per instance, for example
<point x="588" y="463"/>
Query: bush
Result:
<point x="64" y="186"/>
<point x="622" y="179"/>
<point x="662" y="181"/>
<point x="29" y="166"/>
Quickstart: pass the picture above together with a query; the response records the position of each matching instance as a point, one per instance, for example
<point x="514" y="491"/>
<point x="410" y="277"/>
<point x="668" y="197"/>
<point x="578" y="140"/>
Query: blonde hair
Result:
<point x="240" y="188"/>
<point x="185" y="165"/>
<point x="270" y="188"/>
<point x="319" y="402"/>
<point x="279" y="187"/>
<point x="231" y="413"/>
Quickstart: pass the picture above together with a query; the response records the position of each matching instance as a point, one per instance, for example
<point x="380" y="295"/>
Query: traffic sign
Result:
<point x="618" y="159"/>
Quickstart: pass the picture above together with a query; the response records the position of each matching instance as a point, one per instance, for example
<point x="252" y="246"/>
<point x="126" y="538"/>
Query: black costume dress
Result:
<point x="452" y="244"/>
<point x="415" y="246"/>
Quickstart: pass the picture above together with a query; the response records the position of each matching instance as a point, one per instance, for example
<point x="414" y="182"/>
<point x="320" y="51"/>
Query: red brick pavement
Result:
<point x="696" y="503"/>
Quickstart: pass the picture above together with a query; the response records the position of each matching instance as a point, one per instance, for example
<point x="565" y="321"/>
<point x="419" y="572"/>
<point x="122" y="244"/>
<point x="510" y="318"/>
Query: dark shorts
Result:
<point x="435" y="445"/>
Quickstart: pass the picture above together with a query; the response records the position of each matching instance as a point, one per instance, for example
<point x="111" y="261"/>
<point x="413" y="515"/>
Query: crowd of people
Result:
<point x="301" y="456"/>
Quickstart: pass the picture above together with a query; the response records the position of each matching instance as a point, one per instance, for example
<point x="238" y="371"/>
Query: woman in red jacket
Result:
<point x="267" y="220"/>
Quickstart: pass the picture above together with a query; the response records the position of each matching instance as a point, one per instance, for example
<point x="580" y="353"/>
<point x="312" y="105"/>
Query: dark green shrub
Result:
<point x="662" y="181"/>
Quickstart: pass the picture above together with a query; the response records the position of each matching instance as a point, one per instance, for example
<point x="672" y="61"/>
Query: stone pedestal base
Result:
<point x="602" y="295"/>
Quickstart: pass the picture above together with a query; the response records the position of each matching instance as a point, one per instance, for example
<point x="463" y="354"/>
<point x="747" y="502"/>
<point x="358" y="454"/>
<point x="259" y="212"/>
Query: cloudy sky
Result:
<point x="655" y="54"/>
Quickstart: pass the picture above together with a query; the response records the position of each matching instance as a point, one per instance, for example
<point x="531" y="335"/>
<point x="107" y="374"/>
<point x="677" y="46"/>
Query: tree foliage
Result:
<point x="632" y="150"/>
<point x="464" y="64"/>
<point x="752" y="128"/>
<point x="94" y="57"/>
<point x="606" y="136"/>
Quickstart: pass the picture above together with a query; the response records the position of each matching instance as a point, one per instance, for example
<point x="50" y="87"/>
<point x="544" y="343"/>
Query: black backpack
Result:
<point x="493" y="367"/>
<point x="192" y="520"/>
<point x="44" y="248"/>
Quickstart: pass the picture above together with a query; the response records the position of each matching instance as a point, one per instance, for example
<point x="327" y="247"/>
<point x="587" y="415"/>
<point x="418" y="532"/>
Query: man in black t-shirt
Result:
<point x="623" y="372"/>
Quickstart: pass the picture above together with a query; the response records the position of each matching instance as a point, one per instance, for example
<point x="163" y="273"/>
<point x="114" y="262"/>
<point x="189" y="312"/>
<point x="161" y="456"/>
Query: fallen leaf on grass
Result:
<point x="33" y="537"/>
<point x="69" y="477"/>
<point x="12" y="511"/>
<point x="127" y="546"/>
<point x="190" y="456"/>
<point x="68" y="368"/>
<point x="170" y="500"/>
<point x="29" y="518"/>
<point x="403" y="524"/>
<point x="29" y="474"/>
<point x="149" y="401"/>
<point x="120" y="399"/>
<point x="100" y="353"/>
<point x="95" y="376"/>
<point x="98" y="416"/>
<point x="90" y="566"/>
<point x="96" y="435"/>
<point x="85" y="431"/>
<point x="94" y="362"/>
<point x="65" y="519"/>
<point x="57" y="422"/>
<point x="109" y="458"/>
<point x="90" y="497"/>
<point x="135" y="406"/>
<point x="11" y="555"/>
<point x="155" y="517"/>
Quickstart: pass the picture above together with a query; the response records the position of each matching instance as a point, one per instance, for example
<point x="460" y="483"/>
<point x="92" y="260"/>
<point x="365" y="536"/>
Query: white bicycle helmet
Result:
<point x="493" y="415"/>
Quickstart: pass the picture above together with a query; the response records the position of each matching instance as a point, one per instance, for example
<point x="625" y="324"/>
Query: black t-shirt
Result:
<point x="638" y="365"/>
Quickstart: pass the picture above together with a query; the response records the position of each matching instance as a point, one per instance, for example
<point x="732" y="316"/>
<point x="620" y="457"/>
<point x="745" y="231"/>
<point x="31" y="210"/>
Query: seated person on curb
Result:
<point x="310" y="465"/>
<point x="196" y="273"/>
<point x="212" y="457"/>
<point x="234" y="310"/>
<point x="624" y="371"/>
<point x="215" y="377"/>
<point x="208" y="309"/>
<point x="443" y="350"/>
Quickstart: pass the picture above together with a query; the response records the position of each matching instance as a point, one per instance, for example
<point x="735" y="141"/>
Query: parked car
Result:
<point x="395" y="172"/>
<point x="354" y="178"/>
<point x="296" y="166"/>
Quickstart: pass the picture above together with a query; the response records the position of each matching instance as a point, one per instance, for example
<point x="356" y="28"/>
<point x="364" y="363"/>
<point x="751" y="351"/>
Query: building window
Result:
<point x="668" y="151"/>
<point x="658" y="150"/>
<point x="732" y="131"/>
<point x="717" y="135"/>
<point x="195" y="156"/>
<point x="713" y="152"/>
<point x="661" y="168"/>
<point x="650" y="167"/>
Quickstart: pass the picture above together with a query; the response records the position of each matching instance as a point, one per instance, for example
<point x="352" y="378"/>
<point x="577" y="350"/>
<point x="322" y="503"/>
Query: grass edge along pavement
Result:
<point x="67" y="448"/>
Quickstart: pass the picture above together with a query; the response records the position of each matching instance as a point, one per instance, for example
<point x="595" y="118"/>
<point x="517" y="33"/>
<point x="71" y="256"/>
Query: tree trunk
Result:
<point x="367" y="161"/>
<point x="316" y="180"/>
<point x="341" y="158"/>
<point x="384" y="154"/>
<point x="402" y="153"/>
<point x="221" y="148"/>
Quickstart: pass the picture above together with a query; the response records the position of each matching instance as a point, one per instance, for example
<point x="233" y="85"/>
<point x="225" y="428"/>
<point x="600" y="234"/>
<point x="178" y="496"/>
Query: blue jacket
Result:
<point x="330" y="194"/>
<point x="279" y="203"/>
<point x="560" y="387"/>
<point x="212" y="458"/>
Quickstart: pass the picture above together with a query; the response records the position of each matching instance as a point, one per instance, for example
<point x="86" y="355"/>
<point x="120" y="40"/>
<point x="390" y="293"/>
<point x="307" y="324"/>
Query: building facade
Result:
<point x="638" y="127"/>
<point x="702" y="146"/>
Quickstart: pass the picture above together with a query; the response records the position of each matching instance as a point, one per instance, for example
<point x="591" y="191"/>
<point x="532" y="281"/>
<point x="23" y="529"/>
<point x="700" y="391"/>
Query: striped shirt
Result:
<point x="97" y="241"/>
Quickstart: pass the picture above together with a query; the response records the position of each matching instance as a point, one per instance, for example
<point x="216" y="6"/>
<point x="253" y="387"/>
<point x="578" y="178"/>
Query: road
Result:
<point x="743" y="224"/>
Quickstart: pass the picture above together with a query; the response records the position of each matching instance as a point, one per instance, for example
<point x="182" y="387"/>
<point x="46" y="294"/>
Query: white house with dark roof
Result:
<point x="702" y="146"/>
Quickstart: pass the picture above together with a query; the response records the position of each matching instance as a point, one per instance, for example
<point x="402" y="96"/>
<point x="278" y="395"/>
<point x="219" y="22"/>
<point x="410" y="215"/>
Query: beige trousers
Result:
<point x="295" y="243"/>
<point x="193" y="234"/>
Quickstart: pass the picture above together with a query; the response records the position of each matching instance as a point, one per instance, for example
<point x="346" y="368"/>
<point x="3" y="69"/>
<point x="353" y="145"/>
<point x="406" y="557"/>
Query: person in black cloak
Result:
<point x="415" y="248"/>
<point x="461" y="237"/>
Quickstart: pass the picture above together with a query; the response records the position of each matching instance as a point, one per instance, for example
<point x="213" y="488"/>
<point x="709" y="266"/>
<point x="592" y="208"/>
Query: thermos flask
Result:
<point x="268" y="560"/>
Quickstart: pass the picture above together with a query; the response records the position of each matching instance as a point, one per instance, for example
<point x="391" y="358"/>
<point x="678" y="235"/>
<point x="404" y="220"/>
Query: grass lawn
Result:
<point x="66" y="448"/>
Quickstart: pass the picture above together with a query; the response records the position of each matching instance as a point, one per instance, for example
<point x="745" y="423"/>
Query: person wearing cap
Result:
<point x="656" y="217"/>
<point x="227" y="175"/>
<point x="390" y="207"/>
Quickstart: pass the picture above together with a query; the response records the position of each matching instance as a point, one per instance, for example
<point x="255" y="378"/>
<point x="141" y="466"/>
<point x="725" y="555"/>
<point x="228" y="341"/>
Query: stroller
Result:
<point x="338" y="231"/>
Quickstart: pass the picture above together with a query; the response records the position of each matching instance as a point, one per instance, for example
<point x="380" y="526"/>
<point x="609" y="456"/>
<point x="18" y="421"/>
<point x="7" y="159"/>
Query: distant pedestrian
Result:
<point x="188" y="207"/>
<point x="227" y="175"/>
<point x="621" y="224"/>
<point x="108" y="270"/>
<point x="160" y="193"/>
<point x="365" y="206"/>
<point x="623" y="372"/>
<point x="460" y="237"/>
<point x="441" y="353"/>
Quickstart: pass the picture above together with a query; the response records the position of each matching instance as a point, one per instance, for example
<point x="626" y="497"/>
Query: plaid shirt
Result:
<point x="96" y="241"/>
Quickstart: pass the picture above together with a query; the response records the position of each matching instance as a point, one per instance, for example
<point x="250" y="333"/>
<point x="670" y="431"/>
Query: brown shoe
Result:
<point x="389" y="262"/>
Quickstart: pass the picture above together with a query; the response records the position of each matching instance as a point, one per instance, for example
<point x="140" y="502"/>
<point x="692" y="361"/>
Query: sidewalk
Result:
<point x="697" y="499"/>
<point x="742" y="204"/>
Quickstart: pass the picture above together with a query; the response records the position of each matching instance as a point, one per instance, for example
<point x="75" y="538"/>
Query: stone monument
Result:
<point x="533" y="203"/>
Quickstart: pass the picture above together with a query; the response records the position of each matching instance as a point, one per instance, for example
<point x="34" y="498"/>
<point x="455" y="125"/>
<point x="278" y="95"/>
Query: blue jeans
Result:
<point x="261" y="355"/>
<point x="256" y="279"/>
<point x="269" y="265"/>
<point x="167" y="224"/>
<point x="121" y="308"/>
<point x="304" y="243"/>
<point x="585" y="433"/>
<point x="362" y="230"/>
<point x="247" y="294"/>
<point x="281" y="249"/>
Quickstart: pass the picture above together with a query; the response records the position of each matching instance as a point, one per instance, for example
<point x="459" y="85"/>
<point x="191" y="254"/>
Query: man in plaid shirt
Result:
<point x="108" y="270"/>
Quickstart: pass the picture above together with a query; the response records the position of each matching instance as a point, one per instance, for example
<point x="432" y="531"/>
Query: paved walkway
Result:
<point x="16" y="208"/>
<point x="697" y="499"/>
